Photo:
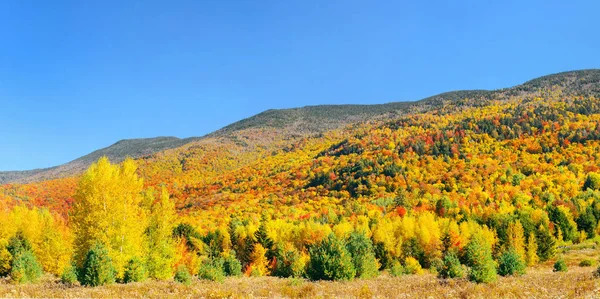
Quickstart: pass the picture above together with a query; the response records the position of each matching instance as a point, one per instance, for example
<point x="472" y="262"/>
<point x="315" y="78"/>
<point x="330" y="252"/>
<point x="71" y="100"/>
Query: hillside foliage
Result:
<point x="498" y="183"/>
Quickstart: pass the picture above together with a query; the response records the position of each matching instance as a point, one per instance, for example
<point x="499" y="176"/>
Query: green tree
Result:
<point x="450" y="267"/>
<point x="330" y="260"/>
<point x="478" y="254"/>
<point x="97" y="267"/>
<point x="511" y="263"/>
<point x="135" y="271"/>
<point x="25" y="267"/>
<point x="592" y="181"/>
<point x="363" y="257"/>
<point x="546" y="244"/>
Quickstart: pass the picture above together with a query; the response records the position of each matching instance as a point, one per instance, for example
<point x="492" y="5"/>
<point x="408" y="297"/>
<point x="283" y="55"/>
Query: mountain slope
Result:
<point x="117" y="152"/>
<point x="310" y="120"/>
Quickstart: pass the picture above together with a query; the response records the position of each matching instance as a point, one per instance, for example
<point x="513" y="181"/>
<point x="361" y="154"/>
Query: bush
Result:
<point x="479" y="257"/>
<point x="396" y="269"/>
<point x="135" y="271"/>
<point x="97" y="267"/>
<point x="560" y="265"/>
<point x="232" y="266"/>
<point x="329" y="260"/>
<point x="412" y="266"/>
<point x="69" y="275"/>
<point x="586" y="263"/>
<point x="25" y="267"/>
<point x="363" y="258"/>
<point x="212" y="269"/>
<point x="289" y="263"/>
<point x="182" y="275"/>
<point x="450" y="267"/>
<point x="510" y="263"/>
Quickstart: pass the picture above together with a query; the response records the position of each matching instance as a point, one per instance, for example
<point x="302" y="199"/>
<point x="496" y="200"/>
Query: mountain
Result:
<point x="310" y="120"/>
<point x="117" y="152"/>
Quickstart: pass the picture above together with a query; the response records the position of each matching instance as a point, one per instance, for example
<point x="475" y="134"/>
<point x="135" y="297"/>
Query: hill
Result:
<point x="306" y="121"/>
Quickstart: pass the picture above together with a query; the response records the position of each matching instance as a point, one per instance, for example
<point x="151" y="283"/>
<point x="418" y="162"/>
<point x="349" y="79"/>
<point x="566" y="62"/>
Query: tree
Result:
<point x="363" y="257"/>
<point x="516" y="238"/>
<point x="259" y="263"/>
<point x="592" y="181"/>
<point x="25" y="267"/>
<point x="479" y="258"/>
<point x="97" y="267"/>
<point x="546" y="244"/>
<point x="329" y="260"/>
<point x="511" y="263"/>
<point x="450" y="267"/>
<point x="161" y="246"/>
<point x="107" y="211"/>
<point x="531" y="256"/>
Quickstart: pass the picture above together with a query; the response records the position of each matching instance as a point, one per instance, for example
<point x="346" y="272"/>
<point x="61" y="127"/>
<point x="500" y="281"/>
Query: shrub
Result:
<point x="212" y="269"/>
<point x="450" y="267"/>
<point x="586" y="263"/>
<point x="289" y="263"/>
<point x="511" y="263"/>
<point x="363" y="258"/>
<point x="97" y="267"/>
<point x="232" y="266"/>
<point x="560" y="265"/>
<point x="329" y="260"/>
<point x="412" y="266"/>
<point x="69" y="275"/>
<point x="25" y="267"/>
<point x="182" y="275"/>
<point x="135" y="271"/>
<point x="478" y="254"/>
<point x="396" y="269"/>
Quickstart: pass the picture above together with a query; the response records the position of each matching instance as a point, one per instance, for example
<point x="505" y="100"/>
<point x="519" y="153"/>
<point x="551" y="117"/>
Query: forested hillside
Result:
<point x="465" y="184"/>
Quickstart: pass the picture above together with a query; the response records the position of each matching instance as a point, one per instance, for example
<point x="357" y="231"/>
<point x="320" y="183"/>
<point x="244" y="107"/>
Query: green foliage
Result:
<point x="563" y="220"/>
<point x="546" y="244"/>
<point x="25" y="267"/>
<point x="450" y="267"/>
<point x="329" y="260"/>
<point x="5" y="258"/>
<point x="397" y="269"/>
<point x="479" y="258"/>
<point x="135" y="271"/>
<point x="363" y="258"/>
<point x="586" y="263"/>
<point x="592" y="181"/>
<point x="212" y="269"/>
<point x="189" y="233"/>
<point x="263" y="239"/>
<point x="560" y="265"/>
<point x="289" y="263"/>
<point x="17" y="244"/>
<point x="69" y="275"/>
<point x="97" y="267"/>
<point x="182" y="275"/>
<point x="232" y="266"/>
<point x="511" y="263"/>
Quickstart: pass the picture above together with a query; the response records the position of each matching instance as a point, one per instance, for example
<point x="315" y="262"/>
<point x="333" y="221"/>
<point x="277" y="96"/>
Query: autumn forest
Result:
<point x="475" y="188"/>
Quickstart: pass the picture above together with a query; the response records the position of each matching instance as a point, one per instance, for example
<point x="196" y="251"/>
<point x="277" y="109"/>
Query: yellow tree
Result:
<point x="516" y="239"/>
<point x="107" y="211"/>
<point x="161" y="246"/>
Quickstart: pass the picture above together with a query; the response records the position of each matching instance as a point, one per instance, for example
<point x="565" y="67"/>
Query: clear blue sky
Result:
<point x="76" y="76"/>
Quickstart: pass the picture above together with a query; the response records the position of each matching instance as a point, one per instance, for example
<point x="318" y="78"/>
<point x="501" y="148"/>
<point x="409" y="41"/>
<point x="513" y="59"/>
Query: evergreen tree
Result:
<point x="546" y="244"/>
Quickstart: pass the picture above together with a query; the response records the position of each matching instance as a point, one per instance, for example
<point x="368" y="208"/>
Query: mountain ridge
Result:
<point x="307" y="120"/>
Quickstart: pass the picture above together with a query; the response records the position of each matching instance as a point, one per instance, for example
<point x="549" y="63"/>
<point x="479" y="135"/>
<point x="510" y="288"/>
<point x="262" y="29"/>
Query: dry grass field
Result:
<point x="539" y="282"/>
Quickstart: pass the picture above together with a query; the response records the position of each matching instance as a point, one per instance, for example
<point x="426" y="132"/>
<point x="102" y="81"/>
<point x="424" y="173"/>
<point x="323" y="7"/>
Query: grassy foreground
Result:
<point x="539" y="282"/>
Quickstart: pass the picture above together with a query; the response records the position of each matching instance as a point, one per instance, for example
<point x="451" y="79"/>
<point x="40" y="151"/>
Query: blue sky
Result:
<point x="76" y="76"/>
